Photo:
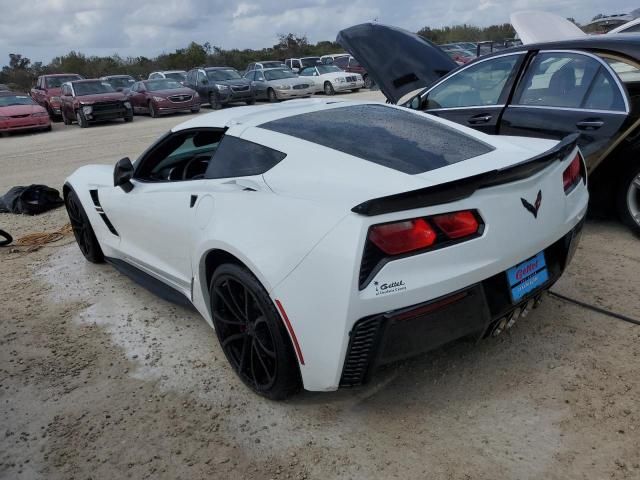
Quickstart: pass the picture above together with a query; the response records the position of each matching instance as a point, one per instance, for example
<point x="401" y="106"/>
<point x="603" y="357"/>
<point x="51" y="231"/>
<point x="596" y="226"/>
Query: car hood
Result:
<point x="102" y="97"/>
<point x="20" y="110"/>
<point x="171" y="92"/>
<point x="376" y="47"/>
<point x="537" y="27"/>
<point x="231" y="83"/>
<point x="290" y="81"/>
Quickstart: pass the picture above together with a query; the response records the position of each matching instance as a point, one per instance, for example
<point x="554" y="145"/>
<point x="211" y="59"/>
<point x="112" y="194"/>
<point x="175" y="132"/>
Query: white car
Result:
<point x="331" y="79"/>
<point x="177" y="75"/>
<point x="322" y="238"/>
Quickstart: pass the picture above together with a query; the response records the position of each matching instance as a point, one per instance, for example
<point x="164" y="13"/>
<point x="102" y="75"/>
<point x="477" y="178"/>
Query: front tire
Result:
<point x="628" y="197"/>
<point x="82" y="120"/>
<point x="251" y="333"/>
<point x="328" y="89"/>
<point x="214" y="104"/>
<point x="195" y="110"/>
<point x="368" y="83"/>
<point x="153" y="112"/>
<point x="271" y="94"/>
<point x="82" y="230"/>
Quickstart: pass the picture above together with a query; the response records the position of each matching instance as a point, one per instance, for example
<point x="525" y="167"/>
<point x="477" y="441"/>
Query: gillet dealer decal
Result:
<point x="391" y="287"/>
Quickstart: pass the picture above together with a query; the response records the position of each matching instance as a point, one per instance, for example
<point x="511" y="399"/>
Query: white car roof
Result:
<point x="536" y="27"/>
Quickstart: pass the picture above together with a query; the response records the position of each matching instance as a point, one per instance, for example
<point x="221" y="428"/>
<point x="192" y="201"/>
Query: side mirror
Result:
<point x="122" y="174"/>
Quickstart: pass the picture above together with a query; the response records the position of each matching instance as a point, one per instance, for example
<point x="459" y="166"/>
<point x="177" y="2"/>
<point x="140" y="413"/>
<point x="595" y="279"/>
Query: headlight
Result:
<point x="40" y="114"/>
<point x="87" y="109"/>
<point x="127" y="105"/>
<point x="158" y="99"/>
<point x="222" y="87"/>
<point x="341" y="80"/>
<point x="55" y="99"/>
<point x="283" y="87"/>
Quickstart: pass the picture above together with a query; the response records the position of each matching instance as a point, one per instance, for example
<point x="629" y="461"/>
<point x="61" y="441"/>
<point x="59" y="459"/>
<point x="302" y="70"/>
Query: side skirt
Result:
<point x="152" y="284"/>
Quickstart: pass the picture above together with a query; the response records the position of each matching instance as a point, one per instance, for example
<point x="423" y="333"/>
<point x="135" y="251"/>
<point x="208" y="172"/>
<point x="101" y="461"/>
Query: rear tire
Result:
<point x="252" y="334"/>
<point x="82" y="230"/>
<point x="328" y="89"/>
<point x="628" y="197"/>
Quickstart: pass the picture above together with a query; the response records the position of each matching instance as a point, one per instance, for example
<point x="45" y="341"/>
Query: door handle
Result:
<point x="594" y="124"/>
<point x="482" y="118"/>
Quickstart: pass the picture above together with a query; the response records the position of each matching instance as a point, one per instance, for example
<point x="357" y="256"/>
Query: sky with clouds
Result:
<point x="43" y="29"/>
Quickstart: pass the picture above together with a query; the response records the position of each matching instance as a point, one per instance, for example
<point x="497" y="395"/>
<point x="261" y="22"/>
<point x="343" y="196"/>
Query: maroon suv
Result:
<point x="87" y="101"/>
<point x="157" y="97"/>
<point x="47" y="91"/>
<point x="351" y="65"/>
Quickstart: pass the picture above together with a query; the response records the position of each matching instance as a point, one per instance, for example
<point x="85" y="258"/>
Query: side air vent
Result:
<point x="362" y="347"/>
<point x="96" y="203"/>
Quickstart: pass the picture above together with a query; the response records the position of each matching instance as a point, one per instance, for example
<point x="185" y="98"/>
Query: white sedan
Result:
<point x="322" y="238"/>
<point x="331" y="79"/>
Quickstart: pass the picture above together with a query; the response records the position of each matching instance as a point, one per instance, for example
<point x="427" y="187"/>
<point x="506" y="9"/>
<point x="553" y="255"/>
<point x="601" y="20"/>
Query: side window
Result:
<point x="259" y="76"/>
<point x="240" y="158"/>
<point x="250" y="75"/>
<point x="307" y="72"/>
<point x="296" y="64"/>
<point x="604" y="94"/>
<point x="180" y="156"/>
<point x="477" y="85"/>
<point x="564" y="80"/>
<point x="341" y="62"/>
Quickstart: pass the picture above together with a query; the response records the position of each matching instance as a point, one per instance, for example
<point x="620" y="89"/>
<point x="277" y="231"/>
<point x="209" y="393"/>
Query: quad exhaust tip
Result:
<point x="510" y="320"/>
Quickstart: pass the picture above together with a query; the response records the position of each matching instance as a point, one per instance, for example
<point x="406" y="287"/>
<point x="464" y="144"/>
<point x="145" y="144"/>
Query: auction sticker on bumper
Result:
<point x="527" y="276"/>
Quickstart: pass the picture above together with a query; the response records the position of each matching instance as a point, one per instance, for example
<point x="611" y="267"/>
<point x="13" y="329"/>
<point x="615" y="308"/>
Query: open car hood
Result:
<point x="538" y="27"/>
<point x="398" y="61"/>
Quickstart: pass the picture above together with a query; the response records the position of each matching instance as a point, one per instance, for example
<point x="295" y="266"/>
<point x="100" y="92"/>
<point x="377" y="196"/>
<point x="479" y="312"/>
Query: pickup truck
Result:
<point x="47" y="91"/>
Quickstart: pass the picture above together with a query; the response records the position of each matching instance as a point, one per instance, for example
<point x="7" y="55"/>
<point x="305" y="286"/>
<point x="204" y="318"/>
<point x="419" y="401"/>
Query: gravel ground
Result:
<point x="100" y="379"/>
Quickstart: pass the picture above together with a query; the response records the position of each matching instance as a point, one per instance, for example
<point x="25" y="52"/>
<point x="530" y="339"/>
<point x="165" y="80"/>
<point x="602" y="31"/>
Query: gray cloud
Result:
<point x="43" y="29"/>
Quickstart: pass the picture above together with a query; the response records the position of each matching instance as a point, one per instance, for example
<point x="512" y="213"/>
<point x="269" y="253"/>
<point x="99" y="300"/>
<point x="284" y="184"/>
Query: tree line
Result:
<point x="20" y="74"/>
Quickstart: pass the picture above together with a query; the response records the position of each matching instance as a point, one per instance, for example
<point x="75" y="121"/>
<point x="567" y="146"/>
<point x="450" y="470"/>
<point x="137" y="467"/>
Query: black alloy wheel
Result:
<point x="82" y="230"/>
<point x="251" y="333"/>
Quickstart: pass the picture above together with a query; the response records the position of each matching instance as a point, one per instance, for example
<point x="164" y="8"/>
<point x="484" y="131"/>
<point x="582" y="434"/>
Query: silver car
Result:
<point x="276" y="84"/>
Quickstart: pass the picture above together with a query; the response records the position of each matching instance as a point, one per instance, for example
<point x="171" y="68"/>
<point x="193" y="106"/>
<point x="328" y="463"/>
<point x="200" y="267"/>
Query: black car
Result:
<point x="219" y="86"/>
<point x="120" y="83"/>
<point x="549" y="90"/>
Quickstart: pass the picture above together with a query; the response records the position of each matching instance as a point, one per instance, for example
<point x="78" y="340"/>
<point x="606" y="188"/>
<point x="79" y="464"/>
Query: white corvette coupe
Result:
<point x="324" y="238"/>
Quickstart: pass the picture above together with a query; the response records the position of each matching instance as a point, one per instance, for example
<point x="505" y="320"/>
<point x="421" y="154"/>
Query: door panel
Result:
<point x="484" y="119"/>
<point x="564" y="92"/>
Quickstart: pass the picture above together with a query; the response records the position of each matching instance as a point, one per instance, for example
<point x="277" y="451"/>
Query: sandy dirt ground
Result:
<point x="99" y="379"/>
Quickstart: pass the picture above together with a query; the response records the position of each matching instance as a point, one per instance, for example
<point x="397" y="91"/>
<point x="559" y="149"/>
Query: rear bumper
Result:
<point x="390" y="336"/>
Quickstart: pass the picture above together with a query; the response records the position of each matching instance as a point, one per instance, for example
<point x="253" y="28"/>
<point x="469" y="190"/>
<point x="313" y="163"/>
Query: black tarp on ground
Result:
<point x="31" y="200"/>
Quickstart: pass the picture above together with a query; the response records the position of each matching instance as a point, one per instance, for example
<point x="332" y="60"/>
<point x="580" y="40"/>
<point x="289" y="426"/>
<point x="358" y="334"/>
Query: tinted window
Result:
<point x="394" y="138"/>
<point x="92" y="88"/>
<point x="558" y="80"/>
<point x="240" y="158"/>
<point x="56" y="82"/>
<point x="221" y="75"/>
<point x="603" y="94"/>
<point x="479" y="84"/>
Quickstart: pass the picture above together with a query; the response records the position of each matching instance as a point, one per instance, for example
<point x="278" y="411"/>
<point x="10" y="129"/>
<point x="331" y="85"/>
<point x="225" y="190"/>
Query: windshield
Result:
<point x="162" y="84"/>
<point x="278" y="74"/>
<point x="218" y="75"/>
<point x="121" y="82"/>
<point x="55" y="82"/>
<point x="92" y="88"/>
<point x="328" y="69"/>
<point x="309" y="61"/>
<point x="10" y="100"/>
<point x="179" y="76"/>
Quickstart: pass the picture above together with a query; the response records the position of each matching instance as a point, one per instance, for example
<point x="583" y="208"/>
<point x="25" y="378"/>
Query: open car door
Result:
<point x="377" y="49"/>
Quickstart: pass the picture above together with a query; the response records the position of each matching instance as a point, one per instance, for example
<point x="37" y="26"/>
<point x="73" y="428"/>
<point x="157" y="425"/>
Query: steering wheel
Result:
<point x="202" y="160"/>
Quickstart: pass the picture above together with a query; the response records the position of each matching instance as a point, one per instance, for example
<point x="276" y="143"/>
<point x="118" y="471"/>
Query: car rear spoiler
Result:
<point x="465" y="187"/>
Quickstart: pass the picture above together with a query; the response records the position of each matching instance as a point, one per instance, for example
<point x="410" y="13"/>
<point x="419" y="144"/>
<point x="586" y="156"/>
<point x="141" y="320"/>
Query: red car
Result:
<point x="157" y="97"/>
<point x="88" y="101"/>
<point x="47" y="91"/>
<point x="19" y="112"/>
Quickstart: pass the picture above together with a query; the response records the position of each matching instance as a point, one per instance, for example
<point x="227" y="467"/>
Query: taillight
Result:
<point x="457" y="225"/>
<point x="402" y="237"/>
<point x="421" y="233"/>
<point x="573" y="174"/>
